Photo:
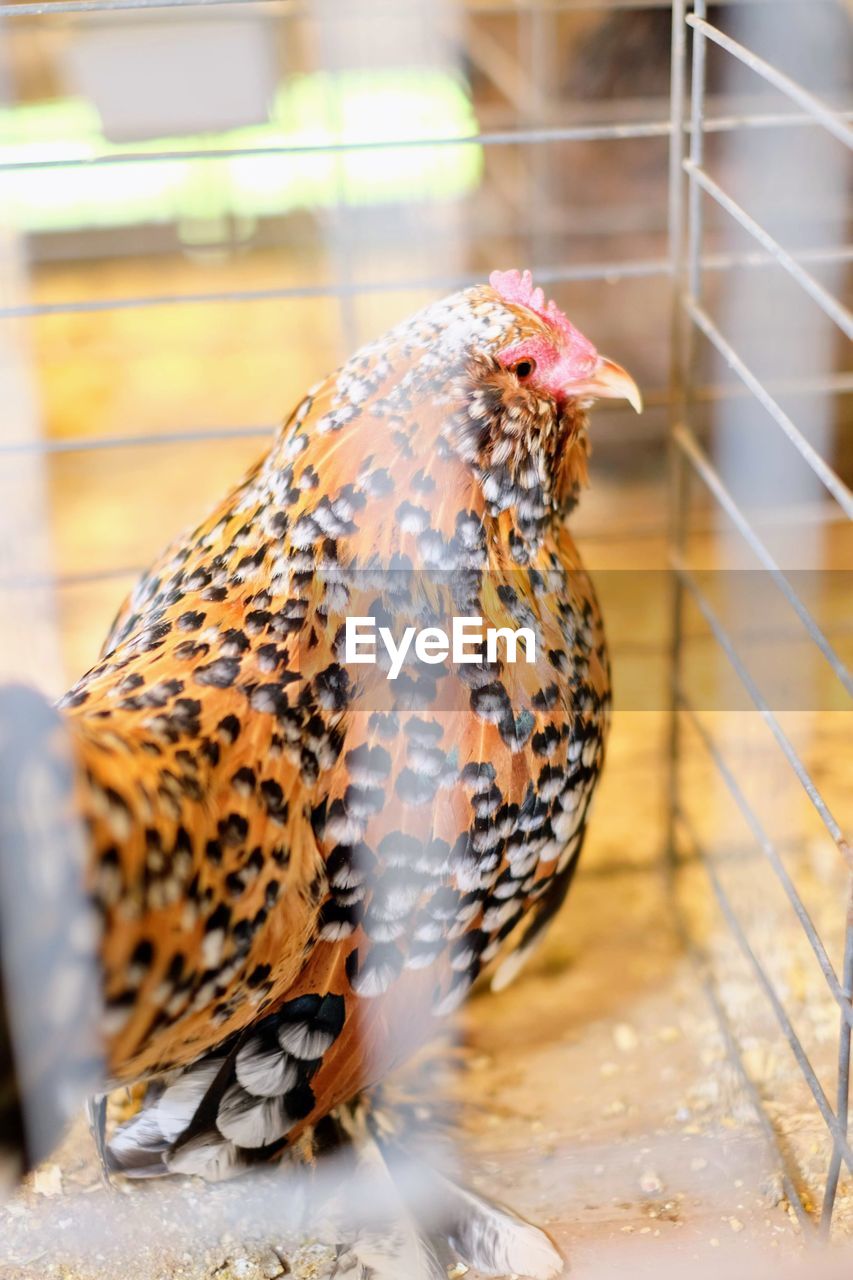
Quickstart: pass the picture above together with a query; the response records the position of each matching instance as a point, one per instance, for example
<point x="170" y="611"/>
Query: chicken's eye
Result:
<point x="524" y="369"/>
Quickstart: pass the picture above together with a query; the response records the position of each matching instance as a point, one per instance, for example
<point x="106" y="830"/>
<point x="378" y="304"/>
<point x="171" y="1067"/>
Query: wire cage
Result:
<point x="705" y="247"/>
<point x="693" y="185"/>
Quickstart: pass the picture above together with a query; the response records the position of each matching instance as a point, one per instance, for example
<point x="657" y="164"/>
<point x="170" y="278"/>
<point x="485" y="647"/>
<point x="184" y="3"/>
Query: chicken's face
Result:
<point x="553" y="358"/>
<point x="532" y="388"/>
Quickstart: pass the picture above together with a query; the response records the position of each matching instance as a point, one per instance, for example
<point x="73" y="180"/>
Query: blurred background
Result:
<point x="204" y="208"/>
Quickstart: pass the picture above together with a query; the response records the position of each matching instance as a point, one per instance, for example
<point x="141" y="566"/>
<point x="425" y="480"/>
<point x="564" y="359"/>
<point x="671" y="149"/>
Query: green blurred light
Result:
<point x="318" y="109"/>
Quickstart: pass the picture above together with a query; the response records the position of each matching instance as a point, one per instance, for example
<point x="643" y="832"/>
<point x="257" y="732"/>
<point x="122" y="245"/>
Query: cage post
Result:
<point x="697" y="155"/>
<point x="676" y="466"/>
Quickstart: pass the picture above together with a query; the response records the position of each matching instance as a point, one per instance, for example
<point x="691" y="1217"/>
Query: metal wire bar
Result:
<point x="44" y="8"/>
<point x="563" y="6"/>
<point x="767" y="120"/>
<point x="740" y="855"/>
<point x="803" y="98"/>
<point x="504" y="138"/>
<point x="637" y="269"/>
<point x="594" y="271"/>
<point x="89" y="444"/>
<point x="676" y="130"/>
<point x="843" y="1103"/>
<point x="758" y="699"/>
<point x="832" y="481"/>
<point x="682" y="360"/>
<point x="697" y="155"/>
<point x="489" y="138"/>
<point x="830" y="305"/>
<point x="838" y="384"/>
<point x="37" y="582"/>
<point x="830" y="384"/>
<point x="712" y="479"/>
<point x="772" y="856"/>
<point x="788" y="1030"/>
<point x="608" y="271"/>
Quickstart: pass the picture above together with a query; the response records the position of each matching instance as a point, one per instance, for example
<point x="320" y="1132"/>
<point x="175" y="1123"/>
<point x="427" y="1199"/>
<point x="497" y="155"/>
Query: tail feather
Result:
<point x="147" y="1145"/>
<point x="494" y="1240"/>
<point x="138" y="1148"/>
<point x="399" y="1242"/>
<point x="485" y="1236"/>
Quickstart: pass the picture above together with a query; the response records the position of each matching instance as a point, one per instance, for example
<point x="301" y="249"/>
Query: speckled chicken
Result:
<point x="300" y="866"/>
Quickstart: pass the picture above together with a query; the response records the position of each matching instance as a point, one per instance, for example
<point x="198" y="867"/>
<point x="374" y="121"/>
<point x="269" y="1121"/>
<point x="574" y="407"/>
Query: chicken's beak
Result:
<point x="609" y="381"/>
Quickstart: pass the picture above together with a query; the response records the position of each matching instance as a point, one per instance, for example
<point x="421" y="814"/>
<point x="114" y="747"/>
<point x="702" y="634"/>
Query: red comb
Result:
<point x="517" y="287"/>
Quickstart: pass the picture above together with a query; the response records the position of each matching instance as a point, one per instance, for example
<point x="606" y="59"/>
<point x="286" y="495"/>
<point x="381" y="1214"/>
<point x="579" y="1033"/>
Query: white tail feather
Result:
<point x="494" y="1240"/>
<point x="485" y="1236"/>
<point x="509" y="969"/>
<point x="392" y="1255"/>
<point x="178" y="1103"/>
<point x="398" y="1248"/>
<point x="206" y="1156"/>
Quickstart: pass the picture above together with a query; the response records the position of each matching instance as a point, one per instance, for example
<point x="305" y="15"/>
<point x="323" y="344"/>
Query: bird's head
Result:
<point x="494" y="378"/>
<point x="550" y="357"/>
<point x="530" y="384"/>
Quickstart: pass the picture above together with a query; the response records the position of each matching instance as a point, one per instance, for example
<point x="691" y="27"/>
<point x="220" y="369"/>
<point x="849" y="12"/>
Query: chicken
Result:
<point x="300" y="866"/>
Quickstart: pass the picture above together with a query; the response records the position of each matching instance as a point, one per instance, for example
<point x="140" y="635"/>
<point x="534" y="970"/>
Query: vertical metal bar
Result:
<point x="337" y="34"/>
<point x="343" y="248"/>
<point x="678" y="368"/>
<point x="842" y="1109"/>
<point x="687" y="274"/>
<point x="542" y="89"/>
<point x="677" y="78"/>
<point x="47" y="970"/>
<point x="697" y="156"/>
<point x="677" y="465"/>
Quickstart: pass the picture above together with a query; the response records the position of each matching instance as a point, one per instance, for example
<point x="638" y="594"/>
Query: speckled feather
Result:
<point x="300" y="866"/>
